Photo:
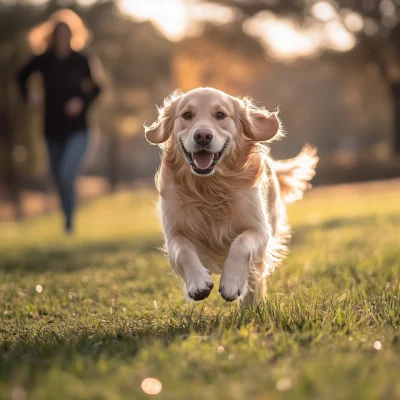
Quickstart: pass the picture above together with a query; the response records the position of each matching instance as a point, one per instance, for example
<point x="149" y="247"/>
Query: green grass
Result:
<point x="110" y="313"/>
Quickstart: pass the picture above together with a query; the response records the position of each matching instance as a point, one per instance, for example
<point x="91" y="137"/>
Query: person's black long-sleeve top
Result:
<point x="63" y="79"/>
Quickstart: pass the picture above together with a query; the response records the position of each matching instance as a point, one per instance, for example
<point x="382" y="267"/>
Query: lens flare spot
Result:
<point x="284" y="384"/>
<point x="151" y="386"/>
<point x="377" y="345"/>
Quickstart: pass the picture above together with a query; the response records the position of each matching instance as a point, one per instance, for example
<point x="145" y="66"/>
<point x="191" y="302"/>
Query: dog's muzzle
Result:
<point x="203" y="161"/>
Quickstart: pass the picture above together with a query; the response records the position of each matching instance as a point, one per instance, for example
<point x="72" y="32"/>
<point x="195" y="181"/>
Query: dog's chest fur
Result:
<point x="212" y="219"/>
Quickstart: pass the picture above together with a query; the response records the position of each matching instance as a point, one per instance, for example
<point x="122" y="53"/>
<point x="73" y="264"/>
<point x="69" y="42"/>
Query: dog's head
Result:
<point x="209" y="127"/>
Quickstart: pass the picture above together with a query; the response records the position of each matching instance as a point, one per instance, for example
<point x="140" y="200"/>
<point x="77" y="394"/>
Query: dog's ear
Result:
<point x="258" y="124"/>
<point x="159" y="131"/>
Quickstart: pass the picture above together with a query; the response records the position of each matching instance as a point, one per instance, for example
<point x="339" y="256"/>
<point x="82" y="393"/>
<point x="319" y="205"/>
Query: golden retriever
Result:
<point x="222" y="197"/>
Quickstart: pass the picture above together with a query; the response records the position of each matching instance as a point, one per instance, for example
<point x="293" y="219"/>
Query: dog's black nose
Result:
<point x="203" y="136"/>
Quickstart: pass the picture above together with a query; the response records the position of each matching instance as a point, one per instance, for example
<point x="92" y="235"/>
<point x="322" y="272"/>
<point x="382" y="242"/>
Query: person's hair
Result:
<point x="41" y="38"/>
<point x="52" y="38"/>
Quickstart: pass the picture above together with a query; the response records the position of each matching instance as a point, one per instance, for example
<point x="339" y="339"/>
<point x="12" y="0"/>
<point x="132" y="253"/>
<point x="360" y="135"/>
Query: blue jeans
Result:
<point x="65" y="160"/>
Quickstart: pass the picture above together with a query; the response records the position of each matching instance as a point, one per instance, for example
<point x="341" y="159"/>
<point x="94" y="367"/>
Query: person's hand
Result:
<point x="34" y="101"/>
<point x="73" y="107"/>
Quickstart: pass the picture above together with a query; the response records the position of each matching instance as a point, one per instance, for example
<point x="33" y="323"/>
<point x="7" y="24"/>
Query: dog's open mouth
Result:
<point x="203" y="162"/>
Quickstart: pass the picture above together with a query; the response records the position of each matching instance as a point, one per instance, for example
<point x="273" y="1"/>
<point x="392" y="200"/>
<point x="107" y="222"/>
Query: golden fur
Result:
<point x="231" y="222"/>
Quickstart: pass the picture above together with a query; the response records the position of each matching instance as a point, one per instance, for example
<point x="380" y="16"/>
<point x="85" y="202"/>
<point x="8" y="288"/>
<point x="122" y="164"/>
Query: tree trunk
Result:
<point x="11" y="172"/>
<point x="113" y="154"/>
<point x="396" y="103"/>
<point x="376" y="53"/>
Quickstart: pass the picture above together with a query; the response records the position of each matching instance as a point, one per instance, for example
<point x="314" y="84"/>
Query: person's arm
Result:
<point x="89" y="87"/>
<point x="25" y="72"/>
<point x="90" y="90"/>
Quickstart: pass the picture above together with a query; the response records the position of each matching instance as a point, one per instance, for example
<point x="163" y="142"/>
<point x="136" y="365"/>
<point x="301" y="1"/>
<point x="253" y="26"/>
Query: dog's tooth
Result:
<point x="195" y="163"/>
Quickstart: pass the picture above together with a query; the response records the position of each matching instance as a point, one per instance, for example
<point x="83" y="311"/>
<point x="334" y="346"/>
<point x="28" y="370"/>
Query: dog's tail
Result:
<point x="295" y="174"/>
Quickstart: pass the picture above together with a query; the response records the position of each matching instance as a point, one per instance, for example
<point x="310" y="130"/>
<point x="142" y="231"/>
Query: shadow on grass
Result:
<point x="36" y="356"/>
<point x="70" y="257"/>
<point x="43" y="346"/>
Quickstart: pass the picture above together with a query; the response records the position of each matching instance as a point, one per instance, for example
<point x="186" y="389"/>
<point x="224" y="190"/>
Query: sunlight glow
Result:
<point x="87" y="3"/>
<point x="217" y="14"/>
<point x="337" y="37"/>
<point x="353" y="21"/>
<point x="177" y="18"/>
<point x="285" y="39"/>
<point x="169" y="16"/>
<point x="36" y="2"/>
<point x="282" y="36"/>
<point x="323" y="11"/>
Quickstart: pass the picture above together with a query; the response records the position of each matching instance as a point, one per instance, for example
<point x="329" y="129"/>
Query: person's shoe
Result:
<point x="68" y="228"/>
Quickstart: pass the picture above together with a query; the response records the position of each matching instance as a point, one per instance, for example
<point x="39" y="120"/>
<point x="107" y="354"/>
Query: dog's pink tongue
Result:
<point x="203" y="159"/>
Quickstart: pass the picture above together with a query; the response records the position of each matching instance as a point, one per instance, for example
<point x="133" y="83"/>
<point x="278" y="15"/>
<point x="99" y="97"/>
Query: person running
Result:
<point x="69" y="91"/>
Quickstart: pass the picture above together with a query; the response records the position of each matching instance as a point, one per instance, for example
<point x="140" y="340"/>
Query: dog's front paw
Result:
<point x="199" y="288"/>
<point x="233" y="283"/>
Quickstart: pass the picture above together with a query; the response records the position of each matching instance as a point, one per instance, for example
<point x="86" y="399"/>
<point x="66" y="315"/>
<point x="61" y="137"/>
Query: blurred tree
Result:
<point x="136" y="59"/>
<point x="237" y="60"/>
<point x="14" y="19"/>
<point x="133" y="61"/>
<point x="374" y="23"/>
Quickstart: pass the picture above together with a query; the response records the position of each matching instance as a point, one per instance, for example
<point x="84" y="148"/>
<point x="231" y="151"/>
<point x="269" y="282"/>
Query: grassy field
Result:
<point x="94" y="316"/>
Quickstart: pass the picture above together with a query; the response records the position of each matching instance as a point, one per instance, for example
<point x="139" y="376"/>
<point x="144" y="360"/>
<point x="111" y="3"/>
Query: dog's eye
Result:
<point x="220" y="115"/>
<point x="187" y="115"/>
